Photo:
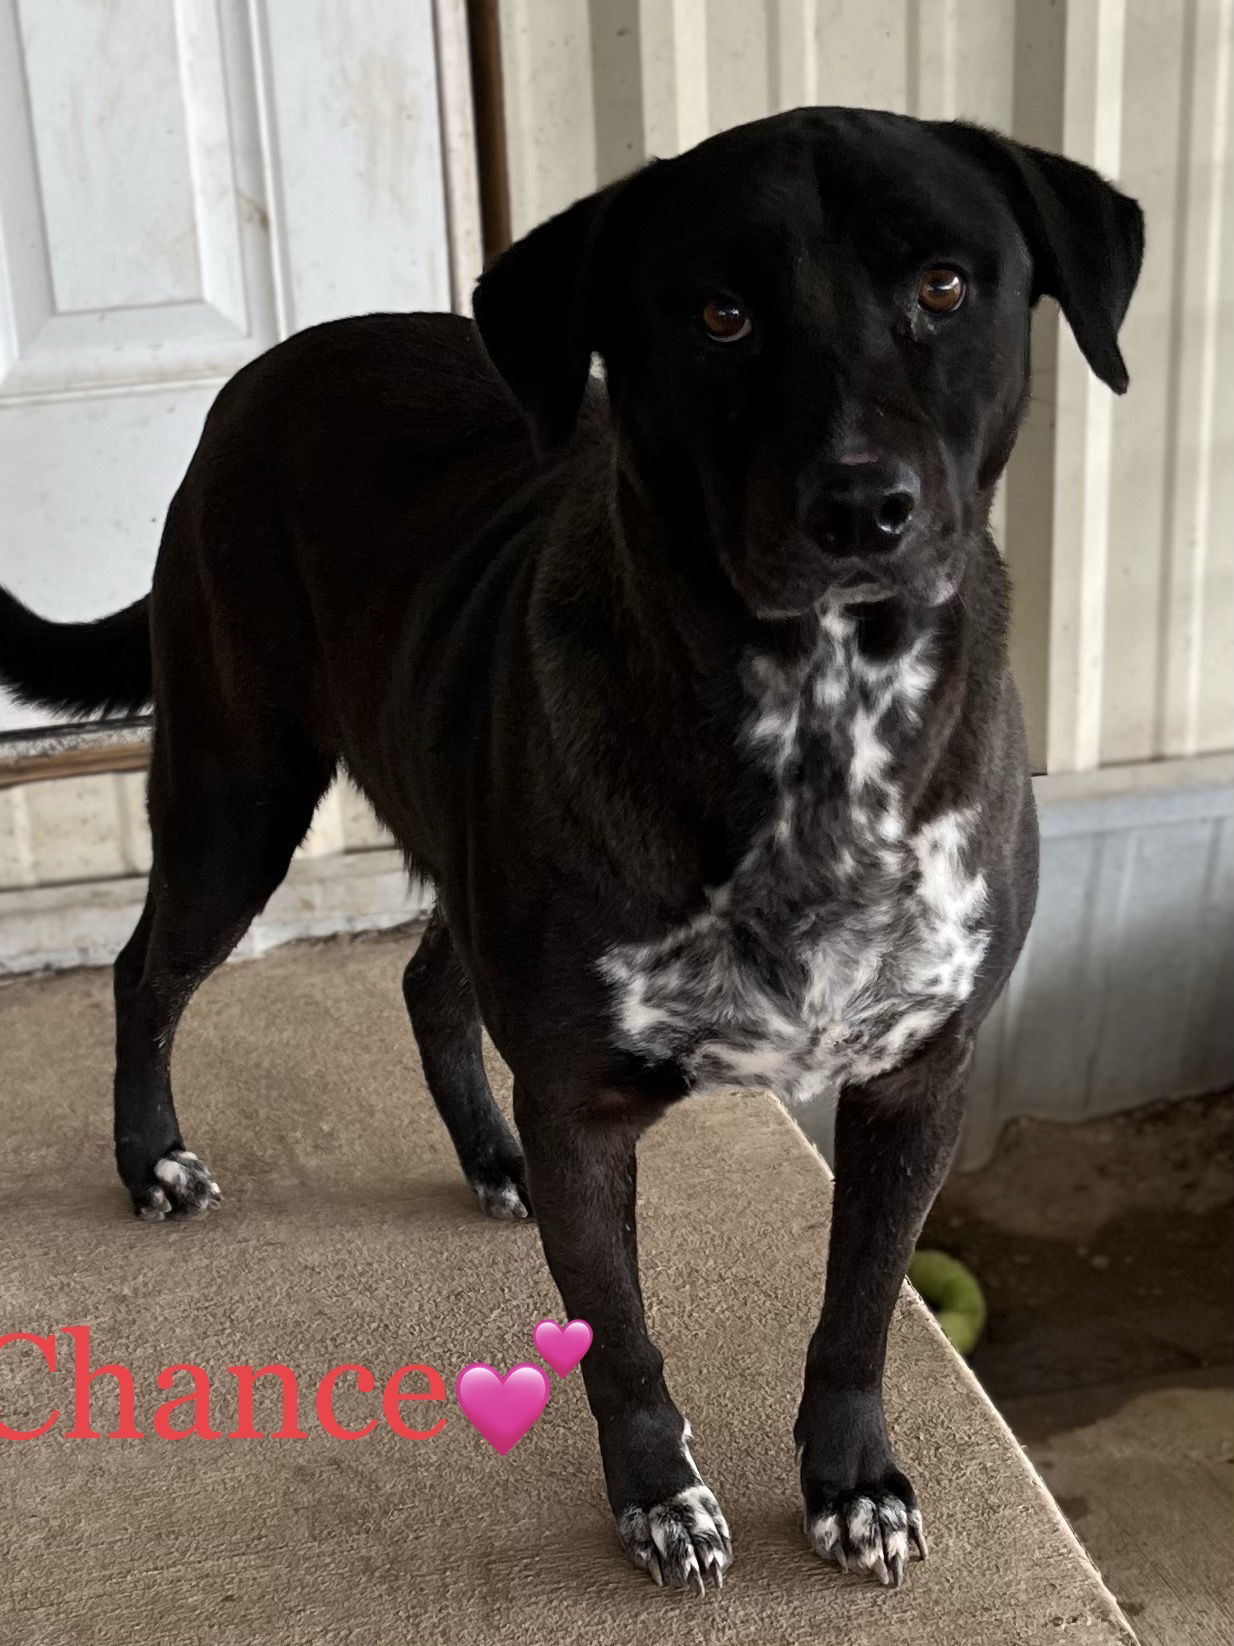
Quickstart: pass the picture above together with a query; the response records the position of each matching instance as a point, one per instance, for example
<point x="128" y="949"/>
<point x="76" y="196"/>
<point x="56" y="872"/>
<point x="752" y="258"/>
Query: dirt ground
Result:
<point x="1106" y="1252"/>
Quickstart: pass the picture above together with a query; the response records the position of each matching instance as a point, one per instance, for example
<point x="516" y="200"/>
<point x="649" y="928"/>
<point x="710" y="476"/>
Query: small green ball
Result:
<point x="952" y="1292"/>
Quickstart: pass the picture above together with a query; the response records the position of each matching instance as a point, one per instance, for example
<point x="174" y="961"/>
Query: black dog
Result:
<point x="692" y="702"/>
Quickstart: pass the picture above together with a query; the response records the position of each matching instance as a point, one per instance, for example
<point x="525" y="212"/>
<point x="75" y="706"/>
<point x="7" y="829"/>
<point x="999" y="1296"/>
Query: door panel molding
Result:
<point x="101" y="288"/>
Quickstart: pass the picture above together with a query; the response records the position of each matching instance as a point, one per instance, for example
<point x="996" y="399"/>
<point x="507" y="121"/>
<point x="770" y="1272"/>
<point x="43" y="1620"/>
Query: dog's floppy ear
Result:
<point x="535" y="307"/>
<point x="1086" y="239"/>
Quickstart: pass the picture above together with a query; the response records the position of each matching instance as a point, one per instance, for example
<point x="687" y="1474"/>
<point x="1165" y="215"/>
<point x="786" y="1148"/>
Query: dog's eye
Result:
<point x="941" y="291"/>
<point x="725" y="320"/>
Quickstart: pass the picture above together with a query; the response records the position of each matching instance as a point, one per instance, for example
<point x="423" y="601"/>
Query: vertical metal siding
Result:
<point x="1125" y="990"/>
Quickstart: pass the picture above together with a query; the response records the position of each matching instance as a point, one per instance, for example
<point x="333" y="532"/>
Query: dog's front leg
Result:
<point x="581" y="1174"/>
<point x="894" y="1140"/>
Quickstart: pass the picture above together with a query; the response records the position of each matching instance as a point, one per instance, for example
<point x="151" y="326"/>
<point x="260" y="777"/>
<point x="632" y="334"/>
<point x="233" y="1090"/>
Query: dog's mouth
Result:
<point x="798" y="577"/>
<point x="855" y="587"/>
<point x="852" y="585"/>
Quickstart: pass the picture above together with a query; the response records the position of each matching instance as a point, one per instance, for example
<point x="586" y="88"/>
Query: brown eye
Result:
<point x="941" y="290"/>
<point x="725" y="320"/>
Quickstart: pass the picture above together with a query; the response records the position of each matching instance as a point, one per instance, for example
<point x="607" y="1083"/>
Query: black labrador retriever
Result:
<point x="688" y="690"/>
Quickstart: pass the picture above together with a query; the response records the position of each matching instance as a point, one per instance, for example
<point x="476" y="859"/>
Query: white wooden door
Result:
<point x="182" y="183"/>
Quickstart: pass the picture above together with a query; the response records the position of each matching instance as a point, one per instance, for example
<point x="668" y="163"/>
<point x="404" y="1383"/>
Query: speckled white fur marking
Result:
<point x="683" y="1542"/>
<point x="876" y="1536"/>
<point x="844" y="937"/>
<point x="186" y="1187"/>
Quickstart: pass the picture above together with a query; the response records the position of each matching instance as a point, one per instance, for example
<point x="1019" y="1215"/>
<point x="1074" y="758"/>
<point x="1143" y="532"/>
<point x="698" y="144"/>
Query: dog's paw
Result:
<point x="503" y="1194"/>
<point x="874" y="1530"/>
<point x="502" y="1200"/>
<point x="183" y="1186"/>
<point x="682" y="1542"/>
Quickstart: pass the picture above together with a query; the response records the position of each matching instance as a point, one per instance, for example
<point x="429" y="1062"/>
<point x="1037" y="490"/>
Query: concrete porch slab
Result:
<point x="349" y="1237"/>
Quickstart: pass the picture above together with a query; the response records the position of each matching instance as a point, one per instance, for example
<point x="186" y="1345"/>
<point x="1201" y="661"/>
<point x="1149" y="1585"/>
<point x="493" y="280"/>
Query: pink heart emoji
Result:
<point x="502" y="1409"/>
<point x="562" y="1346"/>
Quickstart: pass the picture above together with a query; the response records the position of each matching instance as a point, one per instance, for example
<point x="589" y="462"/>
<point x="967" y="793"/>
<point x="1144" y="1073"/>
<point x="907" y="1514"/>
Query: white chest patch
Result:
<point x="842" y="939"/>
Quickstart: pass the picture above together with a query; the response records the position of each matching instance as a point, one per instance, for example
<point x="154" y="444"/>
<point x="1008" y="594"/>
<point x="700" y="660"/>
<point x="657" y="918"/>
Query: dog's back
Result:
<point x="334" y="477"/>
<point x="356" y="455"/>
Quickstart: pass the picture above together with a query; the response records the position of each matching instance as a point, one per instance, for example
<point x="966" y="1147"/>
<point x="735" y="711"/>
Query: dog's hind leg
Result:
<point x="445" y="1020"/>
<point x="223" y="834"/>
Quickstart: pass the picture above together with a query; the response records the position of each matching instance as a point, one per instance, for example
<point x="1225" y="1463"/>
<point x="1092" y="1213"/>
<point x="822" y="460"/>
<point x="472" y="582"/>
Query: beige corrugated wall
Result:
<point x="1117" y="515"/>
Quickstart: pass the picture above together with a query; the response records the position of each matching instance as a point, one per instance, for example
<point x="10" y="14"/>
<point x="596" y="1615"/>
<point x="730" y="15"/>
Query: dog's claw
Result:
<point x="872" y="1531"/>
<point x="680" y="1543"/>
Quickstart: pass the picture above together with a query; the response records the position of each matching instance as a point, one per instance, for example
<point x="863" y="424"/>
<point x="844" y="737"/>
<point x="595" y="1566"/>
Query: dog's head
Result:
<point x="815" y="336"/>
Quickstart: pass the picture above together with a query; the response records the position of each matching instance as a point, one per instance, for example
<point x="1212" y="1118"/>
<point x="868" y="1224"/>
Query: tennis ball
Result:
<point x="952" y="1292"/>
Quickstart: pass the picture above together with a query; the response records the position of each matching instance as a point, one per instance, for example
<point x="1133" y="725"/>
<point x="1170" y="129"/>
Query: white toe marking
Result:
<point x="895" y="1540"/>
<point x="703" y="1506"/>
<point x="171" y="1172"/>
<point x="186" y="1176"/>
<point x="824" y="1533"/>
<point x="501" y="1201"/>
<point x="863" y="1523"/>
<point x="683" y="1540"/>
<point x="874" y="1535"/>
<point x="156" y="1206"/>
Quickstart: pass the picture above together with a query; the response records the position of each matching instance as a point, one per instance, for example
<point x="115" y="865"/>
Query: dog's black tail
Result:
<point x="76" y="668"/>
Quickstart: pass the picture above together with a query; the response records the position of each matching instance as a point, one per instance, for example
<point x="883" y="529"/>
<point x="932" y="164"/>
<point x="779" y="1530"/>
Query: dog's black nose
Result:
<point x="863" y="506"/>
